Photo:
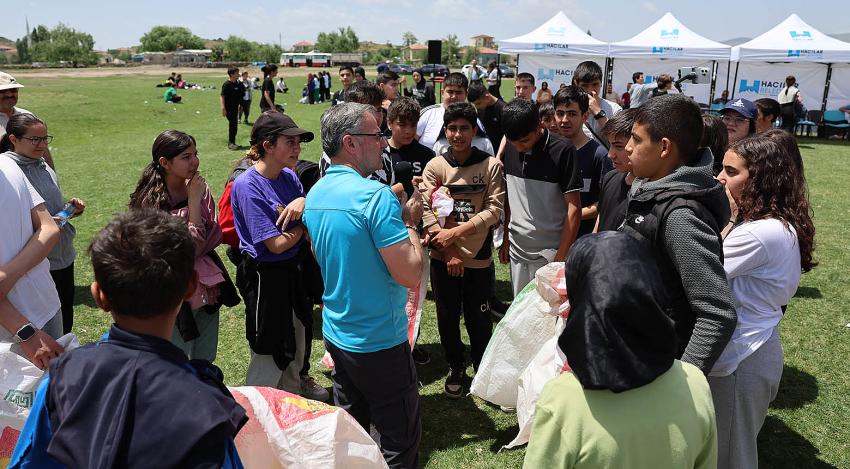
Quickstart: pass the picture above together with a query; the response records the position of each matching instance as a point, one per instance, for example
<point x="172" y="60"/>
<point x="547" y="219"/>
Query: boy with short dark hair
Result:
<point x="232" y="93"/>
<point x="768" y="110"/>
<point x="543" y="183"/>
<point x="524" y="86"/>
<point x="489" y="110"/>
<point x="588" y="77"/>
<point x="346" y="77"/>
<point x="571" y="110"/>
<point x="547" y="116"/>
<point x="679" y="208"/>
<point x="614" y="193"/>
<point x="461" y="258"/>
<point x="388" y="83"/>
<point x="133" y="399"/>
<point x="402" y="117"/>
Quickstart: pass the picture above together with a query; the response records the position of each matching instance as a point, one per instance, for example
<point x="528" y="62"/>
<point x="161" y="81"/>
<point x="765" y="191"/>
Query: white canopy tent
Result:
<point x="664" y="47"/>
<point x="793" y="47"/>
<point x="552" y="51"/>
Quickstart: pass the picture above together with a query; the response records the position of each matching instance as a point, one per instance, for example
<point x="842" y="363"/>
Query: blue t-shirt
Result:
<point x="349" y="218"/>
<point x="593" y="163"/>
<point x="257" y="202"/>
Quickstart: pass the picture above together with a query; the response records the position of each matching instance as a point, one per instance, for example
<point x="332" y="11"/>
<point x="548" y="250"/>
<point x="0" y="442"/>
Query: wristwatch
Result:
<point x="24" y="333"/>
<point x="600" y="114"/>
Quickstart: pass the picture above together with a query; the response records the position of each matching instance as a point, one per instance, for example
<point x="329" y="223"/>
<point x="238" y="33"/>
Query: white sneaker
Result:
<point x="312" y="390"/>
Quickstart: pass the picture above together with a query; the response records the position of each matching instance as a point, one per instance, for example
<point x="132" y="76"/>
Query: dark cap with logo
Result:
<point x="271" y="124"/>
<point x="743" y="107"/>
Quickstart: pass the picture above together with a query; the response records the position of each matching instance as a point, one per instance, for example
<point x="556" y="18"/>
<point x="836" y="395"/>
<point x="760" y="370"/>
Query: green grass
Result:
<point x="104" y="128"/>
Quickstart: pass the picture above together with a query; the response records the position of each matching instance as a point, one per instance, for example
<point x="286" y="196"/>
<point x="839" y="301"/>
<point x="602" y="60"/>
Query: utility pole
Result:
<point x="29" y="38"/>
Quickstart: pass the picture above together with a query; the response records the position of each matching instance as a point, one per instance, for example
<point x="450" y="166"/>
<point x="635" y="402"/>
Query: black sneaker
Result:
<point x="454" y="383"/>
<point x="498" y="309"/>
<point x="420" y="356"/>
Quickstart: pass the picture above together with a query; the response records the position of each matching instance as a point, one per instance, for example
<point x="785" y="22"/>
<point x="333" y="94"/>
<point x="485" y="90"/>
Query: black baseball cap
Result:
<point x="272" y="123"/>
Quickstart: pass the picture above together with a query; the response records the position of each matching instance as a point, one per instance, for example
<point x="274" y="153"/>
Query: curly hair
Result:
<point x="151" y="191"/>
<point x="777" y="189"/>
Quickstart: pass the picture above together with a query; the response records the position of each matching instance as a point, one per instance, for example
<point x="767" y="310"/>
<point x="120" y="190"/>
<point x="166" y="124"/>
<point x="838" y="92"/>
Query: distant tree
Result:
<point x="169" y="38"/>
<point x="24" y="56"/>
<point x="451" y="49"/>
<point x="125" y="56"/>
<point x="408" y="39"/>
<point x="470" y="53"/>
<point x="268" y="53"/>
<point x="237" y="49"/>
<point x="343" y="40"/>
<point x="63" y="43"/>
<point x="4" y="59"/>
<point x="40" y="33"/>
<point x="217" y="54"/>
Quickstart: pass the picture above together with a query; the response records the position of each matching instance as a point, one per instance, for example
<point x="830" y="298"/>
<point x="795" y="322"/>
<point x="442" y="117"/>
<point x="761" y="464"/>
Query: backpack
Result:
<point x="225" y="211"/>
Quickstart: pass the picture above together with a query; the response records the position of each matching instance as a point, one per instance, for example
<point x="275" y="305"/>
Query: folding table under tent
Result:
<point x="793" y="47"/>
<point x="664" y="47"/>
<point x="552" y="51"/>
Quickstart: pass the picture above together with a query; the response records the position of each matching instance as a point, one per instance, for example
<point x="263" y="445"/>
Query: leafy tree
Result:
<point x="24" y="56"/>
<point x="237" y="49"/>
<point x="217" y="54"/>
<point x="168" y="38"/>
<point x="408" y="38"/>
<point x="3" y="59"/>
<point x="451" y="49"/>
<point x="63" y="43"/>
<point x="343" y="40"/>
<point x="40" y="33"/>
<point x="470" y="53"/>
<point x="268" y="53"/>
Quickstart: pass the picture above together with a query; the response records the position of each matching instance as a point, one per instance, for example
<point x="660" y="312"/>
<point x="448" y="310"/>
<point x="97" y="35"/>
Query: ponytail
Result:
<point x="18" y="125"/>
<point x="6" y="144"/>
<point x="151" y="191"/>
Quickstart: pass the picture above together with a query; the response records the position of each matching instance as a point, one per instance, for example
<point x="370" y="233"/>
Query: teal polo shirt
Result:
<point x="349" y="218"/>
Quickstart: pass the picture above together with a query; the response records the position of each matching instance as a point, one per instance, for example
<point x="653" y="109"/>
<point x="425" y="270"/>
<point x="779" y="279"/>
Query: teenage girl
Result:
<point x="172" y="182"/>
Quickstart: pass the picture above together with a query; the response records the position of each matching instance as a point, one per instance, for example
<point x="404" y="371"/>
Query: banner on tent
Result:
<point x="624" y="68"/>
<point x="839" y="87"/>
<point x="552" y="70"/>
<point x="765" y="80"/>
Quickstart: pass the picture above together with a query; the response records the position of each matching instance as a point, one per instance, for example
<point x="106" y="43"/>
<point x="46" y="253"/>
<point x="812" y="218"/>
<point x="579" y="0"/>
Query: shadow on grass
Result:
<point x="780" y="447"/>
<point x="808" y="292"/>
<point x="796" y="389"/>
<point x="82" y="296"/>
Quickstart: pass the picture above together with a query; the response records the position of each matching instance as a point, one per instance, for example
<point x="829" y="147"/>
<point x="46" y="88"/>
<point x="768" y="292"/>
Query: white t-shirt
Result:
<point x="430" y="126"/>
<point x="762" y="263"/>
<point x="34" y="295"/>
<point x="4" y="119"/>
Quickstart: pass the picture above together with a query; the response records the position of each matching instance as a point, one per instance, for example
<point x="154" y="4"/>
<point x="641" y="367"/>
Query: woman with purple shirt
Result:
<point x="267" y="202"/>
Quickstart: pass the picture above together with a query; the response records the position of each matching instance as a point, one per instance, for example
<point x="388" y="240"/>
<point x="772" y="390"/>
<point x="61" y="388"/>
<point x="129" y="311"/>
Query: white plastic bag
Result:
<point x="529" y="323"/>
<point x="287" y="431"/>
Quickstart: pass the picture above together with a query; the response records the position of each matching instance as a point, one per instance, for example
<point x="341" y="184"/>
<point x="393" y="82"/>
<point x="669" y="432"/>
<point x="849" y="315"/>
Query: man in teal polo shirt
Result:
<point x="369" y="252"/>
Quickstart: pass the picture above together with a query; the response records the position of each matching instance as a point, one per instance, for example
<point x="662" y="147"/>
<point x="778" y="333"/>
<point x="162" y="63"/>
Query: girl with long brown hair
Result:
<point x="765" y="253"/>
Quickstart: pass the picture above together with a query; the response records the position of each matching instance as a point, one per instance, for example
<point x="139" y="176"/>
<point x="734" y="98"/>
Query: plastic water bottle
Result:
<point x="64" y="214"/>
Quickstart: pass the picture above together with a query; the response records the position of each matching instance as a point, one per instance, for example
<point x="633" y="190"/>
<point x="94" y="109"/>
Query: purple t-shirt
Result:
<point x="257" y="202"/>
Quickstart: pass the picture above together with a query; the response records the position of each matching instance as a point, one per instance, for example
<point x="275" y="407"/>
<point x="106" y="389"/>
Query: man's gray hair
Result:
<point x="340" y="120"/>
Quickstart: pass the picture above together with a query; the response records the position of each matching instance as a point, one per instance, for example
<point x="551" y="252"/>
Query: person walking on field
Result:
<point x="232" y="94"/>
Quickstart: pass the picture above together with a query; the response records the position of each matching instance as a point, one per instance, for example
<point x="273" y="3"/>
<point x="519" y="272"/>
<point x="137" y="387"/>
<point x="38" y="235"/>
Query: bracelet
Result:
<point x="411" y="227"/>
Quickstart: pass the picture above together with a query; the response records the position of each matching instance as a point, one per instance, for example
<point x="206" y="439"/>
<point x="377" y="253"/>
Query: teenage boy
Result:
<point x="588" y="76"/>
<point x="388" y="83"/>
<point x="232" y="93"/>
<point x="767" y="111"/>
<point x="524" y="86"/>
<point x="402" y="118"/>
<point x="346" y="77"/>
<point x="571" y="110"/>
<point x="102" y="405"/>
<point x="245" y="107"/>
<point x="547" y="117"/>
<point x="461" y="258"/>
<point x="489" y="110"/>
<point x="431" y="130"/>
<point x="614" y="193"/>
<point x="676" y="204"/>
<point x="543" y="184"/>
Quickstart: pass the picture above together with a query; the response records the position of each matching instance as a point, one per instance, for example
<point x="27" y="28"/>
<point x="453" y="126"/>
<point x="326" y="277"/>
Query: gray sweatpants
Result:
<point x="740" y="404"/>
<point x="522" y="272"/>
<point x="263" y="371"/>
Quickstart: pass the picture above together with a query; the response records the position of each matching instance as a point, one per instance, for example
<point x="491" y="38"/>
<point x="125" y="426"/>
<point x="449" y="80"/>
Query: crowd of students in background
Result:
<point x="683" y="235"/>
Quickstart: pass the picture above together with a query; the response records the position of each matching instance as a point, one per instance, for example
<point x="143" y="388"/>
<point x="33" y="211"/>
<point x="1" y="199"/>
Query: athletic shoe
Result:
<point x="420" y="356"/>
<point x="232" y="146"/>
<point x="507" y="410"/>
<point x="454" y="383"/>
<point x="497" y="309"/>
<point x="312" y="390"/>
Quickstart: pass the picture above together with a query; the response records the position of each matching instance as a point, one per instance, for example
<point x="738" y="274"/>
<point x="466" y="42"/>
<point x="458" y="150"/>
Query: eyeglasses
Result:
<point x="37" y="140"/>
<point x="378" y="135"/>
<point x="733" y="120"/>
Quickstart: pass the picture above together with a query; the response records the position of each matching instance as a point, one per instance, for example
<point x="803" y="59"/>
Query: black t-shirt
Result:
<point x="415" y="153"/>
<point x="491" y="119"/>
<point x="233" y="91"/>
<point x="552" y="160"/>
<point x="268" y="85"/>
<point x="613" y="201"/>
<point x="593" y="163"/>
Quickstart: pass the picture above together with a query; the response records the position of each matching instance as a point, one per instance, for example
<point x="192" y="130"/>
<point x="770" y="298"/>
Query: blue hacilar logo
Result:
<point x="810" y="53"/>
<point x="673" y="33"/>
<point x="557" y="30"/>
<point x="545" y="74"/>
<point x="800" y="35"/>
<point x="667" y="50"/>
<point x="755" y="87"/>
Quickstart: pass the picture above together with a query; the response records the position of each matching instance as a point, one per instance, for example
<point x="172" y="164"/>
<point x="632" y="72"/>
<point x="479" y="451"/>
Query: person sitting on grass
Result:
<point x="462" y="258"/>
<point x="171" y="96"/>
<point x="104" y="405"/>
<point x="624" y="400"/>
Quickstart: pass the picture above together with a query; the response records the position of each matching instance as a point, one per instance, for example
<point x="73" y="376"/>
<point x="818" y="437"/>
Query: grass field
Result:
<point x="104" y="128"/>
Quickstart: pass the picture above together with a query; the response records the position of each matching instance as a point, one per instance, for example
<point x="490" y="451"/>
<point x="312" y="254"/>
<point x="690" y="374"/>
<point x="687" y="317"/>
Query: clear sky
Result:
<point x="120" y="23"/>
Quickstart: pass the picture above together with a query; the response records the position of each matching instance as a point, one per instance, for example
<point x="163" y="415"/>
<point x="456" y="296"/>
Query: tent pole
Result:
<point x="609" y="72"/>
<point x="735" y="80"/>
<point x="825" y="92"/>
<point x="728" y="69"/>
<point x="713" y="82"/>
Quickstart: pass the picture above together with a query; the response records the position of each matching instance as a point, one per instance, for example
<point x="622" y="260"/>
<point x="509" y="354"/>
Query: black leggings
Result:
<point x="64" y="280"/>
<point x="233" y="123"/>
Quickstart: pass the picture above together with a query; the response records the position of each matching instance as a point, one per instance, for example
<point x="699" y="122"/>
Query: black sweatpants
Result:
<point x="468" y="295"/>
<point x="64" y="280"/>
<point x="244" y="110"/>
<point x="232" y="122"/>
<point x="380" y="388"/>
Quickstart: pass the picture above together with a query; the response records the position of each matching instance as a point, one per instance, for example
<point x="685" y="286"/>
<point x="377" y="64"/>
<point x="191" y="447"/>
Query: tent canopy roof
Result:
<point x="669" y="38"/>
<point x="793" y="40"/>
<point x="558" y="36"/>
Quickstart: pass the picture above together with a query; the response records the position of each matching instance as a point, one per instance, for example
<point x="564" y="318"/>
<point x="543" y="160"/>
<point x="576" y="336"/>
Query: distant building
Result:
<point x="302" y="46"/>
<point x="154" y="58"/>
<point x="483" y="40"/>
<point x="191" y="56"/>
<point x="415" y="53"/>
<point x="486" y="55"/>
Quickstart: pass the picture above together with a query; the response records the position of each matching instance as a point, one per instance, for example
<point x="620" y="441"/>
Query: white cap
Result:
<point x="8" y="82"/>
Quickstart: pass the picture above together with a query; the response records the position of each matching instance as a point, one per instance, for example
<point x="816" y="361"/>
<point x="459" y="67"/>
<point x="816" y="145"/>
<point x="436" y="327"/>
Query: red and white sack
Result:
<point x="285" y="430"/>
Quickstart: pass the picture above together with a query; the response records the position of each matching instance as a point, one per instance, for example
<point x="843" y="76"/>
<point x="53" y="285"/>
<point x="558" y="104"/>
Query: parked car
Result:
<point x="404" y="69"/>
<point x="507" y="71"/>
<point x="439" y="70"/>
